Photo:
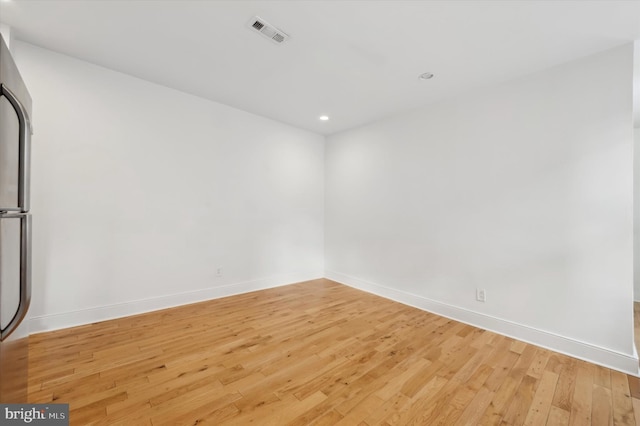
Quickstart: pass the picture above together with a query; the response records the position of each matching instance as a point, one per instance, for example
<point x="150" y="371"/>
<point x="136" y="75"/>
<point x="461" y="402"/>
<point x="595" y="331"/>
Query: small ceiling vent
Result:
<point x="267" y="30"/>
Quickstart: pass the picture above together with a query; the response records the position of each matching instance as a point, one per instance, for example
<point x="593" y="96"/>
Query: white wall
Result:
<point x="5" y="30"/>
<point x="636" y="214"/>
<point x="636" y="168"/>
<point x="524" y="190"/>
<point x="140" y="192"/>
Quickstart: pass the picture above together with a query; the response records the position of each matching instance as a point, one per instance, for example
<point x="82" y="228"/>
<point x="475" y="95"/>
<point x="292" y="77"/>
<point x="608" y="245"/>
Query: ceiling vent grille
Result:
<point x="267" y="30"/>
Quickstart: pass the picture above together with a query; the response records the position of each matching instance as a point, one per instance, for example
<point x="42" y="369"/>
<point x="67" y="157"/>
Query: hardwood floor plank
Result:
<point x="582" y="396"/>
<point x="418" y="404"/>
<point x="636" y="408"/>
<point x="459" y="401"/>
<point x="520" y="404"/>
<point x="502" y="367"/>
<point x="541" y="404"/>
<point x="539" y="363"/>
<point x="634" y="385"/>
<point x="602" y="377"/>
<point x="507" y="388"/>
<point x="316" y="353"/>
<point x="517" y="346"/>
<point x="622" y="403"/>
<point x="602" y="409"/>
<point x="328" y="419"/>
<point x="360" y="411"/>
<point x="476" y="408"/>
<point x="391" y="406"/>
<point x="558" y="417"/>
<point x="563" y="398"/>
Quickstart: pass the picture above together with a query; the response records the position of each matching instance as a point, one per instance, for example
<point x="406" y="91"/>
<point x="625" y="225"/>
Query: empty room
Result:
<point x="319" y="212"/>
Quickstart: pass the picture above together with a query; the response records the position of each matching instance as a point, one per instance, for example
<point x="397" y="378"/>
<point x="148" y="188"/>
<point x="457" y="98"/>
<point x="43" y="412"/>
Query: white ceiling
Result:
<point x="355" y="61"/>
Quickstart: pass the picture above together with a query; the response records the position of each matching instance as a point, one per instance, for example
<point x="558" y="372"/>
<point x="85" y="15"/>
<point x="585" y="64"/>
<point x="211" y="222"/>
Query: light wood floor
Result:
<point x="316" y="353"/>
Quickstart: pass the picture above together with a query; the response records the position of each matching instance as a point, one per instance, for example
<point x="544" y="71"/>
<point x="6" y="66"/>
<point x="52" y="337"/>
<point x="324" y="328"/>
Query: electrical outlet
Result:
<point x="481" y="295"/>
<point x="219" y="272"/>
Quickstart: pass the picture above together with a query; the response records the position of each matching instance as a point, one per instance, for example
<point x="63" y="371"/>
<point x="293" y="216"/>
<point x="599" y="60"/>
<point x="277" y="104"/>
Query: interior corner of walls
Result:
<point x="577" y="349"/>
<point x="40" y="324"/>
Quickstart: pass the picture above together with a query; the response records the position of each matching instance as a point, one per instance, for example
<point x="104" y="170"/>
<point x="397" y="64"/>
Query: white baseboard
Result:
<point x="102" y="313"/>
<point x="587" y="352"/>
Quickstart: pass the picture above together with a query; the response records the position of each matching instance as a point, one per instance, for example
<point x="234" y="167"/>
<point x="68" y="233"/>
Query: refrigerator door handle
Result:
<point x="25" y="148"/>
<point x="25" y="274"/>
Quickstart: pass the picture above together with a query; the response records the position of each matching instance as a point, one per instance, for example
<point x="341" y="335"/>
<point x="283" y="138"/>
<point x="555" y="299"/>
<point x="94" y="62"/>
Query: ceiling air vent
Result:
<point x="267" y="30"/>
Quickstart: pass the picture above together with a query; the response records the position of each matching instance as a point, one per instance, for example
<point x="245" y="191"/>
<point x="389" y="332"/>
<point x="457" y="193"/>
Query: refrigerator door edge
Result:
<point x="25" y="273"/>
<point x="24" y="148"/>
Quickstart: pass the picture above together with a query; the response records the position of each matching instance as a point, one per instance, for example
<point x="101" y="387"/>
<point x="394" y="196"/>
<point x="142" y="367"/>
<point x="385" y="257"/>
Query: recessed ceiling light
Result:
<point x="323" y="117"/>
<point x="425" y="76"/>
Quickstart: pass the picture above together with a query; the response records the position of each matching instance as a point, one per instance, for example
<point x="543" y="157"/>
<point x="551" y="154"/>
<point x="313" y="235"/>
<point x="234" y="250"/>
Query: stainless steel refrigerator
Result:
<point x="15" y="230"/>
